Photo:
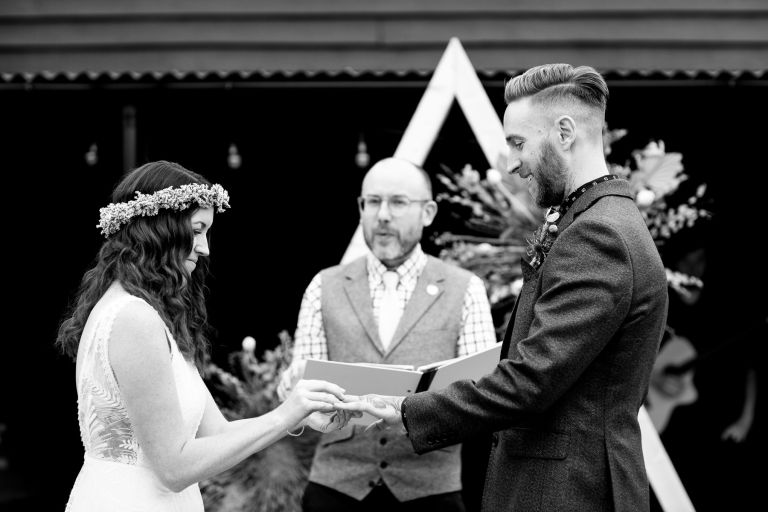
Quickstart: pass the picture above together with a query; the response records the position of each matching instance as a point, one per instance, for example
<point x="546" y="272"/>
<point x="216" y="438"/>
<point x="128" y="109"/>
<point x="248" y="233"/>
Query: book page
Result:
<point x="472" y="366"/>
<point x="437" y="364"/>
<point x="393" y="366"/>
<point x="362" y="379"/>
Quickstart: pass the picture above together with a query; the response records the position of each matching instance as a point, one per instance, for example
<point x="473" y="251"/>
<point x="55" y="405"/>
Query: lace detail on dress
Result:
<point x="105" y="427"/>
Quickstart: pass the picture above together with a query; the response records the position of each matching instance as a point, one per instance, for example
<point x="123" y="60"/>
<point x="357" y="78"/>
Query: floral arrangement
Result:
<point x="654" y="177"/>
<point x="115" y="215"/>
<point x="493" y="227"/>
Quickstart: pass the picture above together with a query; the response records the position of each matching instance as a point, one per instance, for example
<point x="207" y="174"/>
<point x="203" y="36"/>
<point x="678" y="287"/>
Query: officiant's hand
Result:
<point x="289" y="378"/>
<point x="386" y="408"/>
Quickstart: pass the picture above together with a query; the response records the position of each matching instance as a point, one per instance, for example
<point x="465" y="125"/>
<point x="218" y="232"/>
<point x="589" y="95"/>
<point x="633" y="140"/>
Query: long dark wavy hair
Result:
<point x="147" y="257"/>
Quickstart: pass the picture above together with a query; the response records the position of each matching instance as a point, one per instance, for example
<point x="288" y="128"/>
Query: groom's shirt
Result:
<point x="477" y="331"/>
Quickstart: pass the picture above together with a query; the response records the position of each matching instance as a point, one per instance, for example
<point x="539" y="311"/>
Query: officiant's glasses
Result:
<point x="398" y="205"/>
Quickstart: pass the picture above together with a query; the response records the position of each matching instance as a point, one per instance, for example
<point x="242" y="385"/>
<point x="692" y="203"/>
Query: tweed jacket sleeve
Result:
<point x="582" y="295"/>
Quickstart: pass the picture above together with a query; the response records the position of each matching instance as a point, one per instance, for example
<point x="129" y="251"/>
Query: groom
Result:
<point x="561" y="406"/>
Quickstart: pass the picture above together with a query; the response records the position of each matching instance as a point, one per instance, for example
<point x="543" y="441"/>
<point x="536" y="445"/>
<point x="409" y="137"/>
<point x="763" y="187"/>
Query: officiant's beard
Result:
<point x="547" y="186"/>
<point x="395" y="247"/>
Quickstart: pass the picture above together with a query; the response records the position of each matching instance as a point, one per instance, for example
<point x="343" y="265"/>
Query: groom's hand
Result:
<point x="387" y="408"/>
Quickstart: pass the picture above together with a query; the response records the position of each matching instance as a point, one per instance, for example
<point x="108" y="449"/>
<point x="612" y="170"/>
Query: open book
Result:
<point x="402" y="380"/>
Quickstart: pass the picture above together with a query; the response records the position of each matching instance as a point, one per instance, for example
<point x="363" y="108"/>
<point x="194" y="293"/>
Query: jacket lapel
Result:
<point x="529" y="273"/>
<point x="359" y="296"/>
<point x="429" y="288"/>
<point x="508" y="330"/>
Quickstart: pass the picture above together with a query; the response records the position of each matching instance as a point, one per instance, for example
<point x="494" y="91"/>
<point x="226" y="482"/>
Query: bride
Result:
<point x="150" y="428"/>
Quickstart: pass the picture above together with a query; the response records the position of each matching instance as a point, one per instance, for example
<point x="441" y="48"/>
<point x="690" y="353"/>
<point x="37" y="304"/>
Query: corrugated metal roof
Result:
<point x="351" y="75"/>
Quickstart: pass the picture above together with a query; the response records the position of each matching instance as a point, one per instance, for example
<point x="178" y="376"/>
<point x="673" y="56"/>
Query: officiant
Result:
<point x="394" y="305"/>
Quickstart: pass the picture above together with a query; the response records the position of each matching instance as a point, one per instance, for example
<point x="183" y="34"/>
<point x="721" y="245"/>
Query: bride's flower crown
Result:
<point x="114" y="216"/>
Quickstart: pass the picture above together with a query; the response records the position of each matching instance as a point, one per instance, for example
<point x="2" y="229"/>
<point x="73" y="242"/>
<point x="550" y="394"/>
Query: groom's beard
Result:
<point x="550" y="175"/>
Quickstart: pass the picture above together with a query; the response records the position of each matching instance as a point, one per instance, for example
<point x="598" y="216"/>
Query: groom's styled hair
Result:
<point x="561" y="88"/>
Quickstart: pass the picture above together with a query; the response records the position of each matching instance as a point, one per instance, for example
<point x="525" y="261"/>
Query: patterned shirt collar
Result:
<point x="409" y="271"/>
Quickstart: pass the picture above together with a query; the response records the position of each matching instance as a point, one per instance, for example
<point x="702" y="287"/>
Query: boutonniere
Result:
<point x="543" y="238"/>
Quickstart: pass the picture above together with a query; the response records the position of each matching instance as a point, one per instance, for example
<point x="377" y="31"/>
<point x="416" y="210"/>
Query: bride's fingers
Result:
<point x="321" y="385"/>
<point x="319" y="396"/>
<point x="323" y="407"/>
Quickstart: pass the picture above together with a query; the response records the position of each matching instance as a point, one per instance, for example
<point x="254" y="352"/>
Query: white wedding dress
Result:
<point x="116" y="476"/>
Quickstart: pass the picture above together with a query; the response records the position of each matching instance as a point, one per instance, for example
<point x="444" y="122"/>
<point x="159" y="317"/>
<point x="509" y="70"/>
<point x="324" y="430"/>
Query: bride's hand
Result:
<point x="307" y="397"/>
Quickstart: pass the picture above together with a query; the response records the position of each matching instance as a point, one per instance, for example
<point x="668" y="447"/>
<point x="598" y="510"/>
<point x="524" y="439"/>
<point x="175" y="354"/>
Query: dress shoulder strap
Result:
<point x="97" y="344"/>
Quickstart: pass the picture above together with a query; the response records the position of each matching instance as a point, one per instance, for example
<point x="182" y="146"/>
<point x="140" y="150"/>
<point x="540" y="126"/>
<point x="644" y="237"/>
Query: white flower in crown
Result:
<point x="114" y="216"/>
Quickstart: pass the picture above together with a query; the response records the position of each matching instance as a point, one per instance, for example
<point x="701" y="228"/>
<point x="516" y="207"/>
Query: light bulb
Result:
<point x="249" y="344"/>
<point x="234" y="160"/>
<point x="362" y="159"/>
<point x="92" y="155"/>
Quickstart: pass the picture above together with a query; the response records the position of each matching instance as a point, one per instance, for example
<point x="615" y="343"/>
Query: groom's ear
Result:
<point x="565" y="129"/>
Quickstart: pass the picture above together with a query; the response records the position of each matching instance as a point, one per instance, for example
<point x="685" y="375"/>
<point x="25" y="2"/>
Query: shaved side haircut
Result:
<point x="563" y="89"/>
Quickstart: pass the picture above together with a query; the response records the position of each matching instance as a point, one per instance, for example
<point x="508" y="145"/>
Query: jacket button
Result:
<point x="371" y="484"/>
<point x="383" y="464"/>
<point x="383" y="441"/>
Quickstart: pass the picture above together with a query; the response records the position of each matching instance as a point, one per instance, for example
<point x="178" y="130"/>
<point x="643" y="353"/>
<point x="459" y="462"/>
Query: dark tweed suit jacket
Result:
<point x="562" y="403"/>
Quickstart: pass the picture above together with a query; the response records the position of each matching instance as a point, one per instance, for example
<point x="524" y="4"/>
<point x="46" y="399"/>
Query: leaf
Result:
<point x="660" y="173"/>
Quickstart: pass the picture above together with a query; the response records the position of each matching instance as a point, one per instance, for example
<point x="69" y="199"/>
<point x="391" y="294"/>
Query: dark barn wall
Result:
<point x="387" y="35"/>
<point x="293" y="209"/>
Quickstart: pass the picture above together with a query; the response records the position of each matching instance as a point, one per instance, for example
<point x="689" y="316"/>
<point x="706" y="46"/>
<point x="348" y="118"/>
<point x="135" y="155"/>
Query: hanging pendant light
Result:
<point x="92" y="155"/>
<point x="234" y="160"/>
<point x="362" y="158"/>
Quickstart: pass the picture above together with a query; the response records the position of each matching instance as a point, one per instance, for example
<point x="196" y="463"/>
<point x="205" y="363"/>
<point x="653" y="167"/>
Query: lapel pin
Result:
<point x="432" y="289"/>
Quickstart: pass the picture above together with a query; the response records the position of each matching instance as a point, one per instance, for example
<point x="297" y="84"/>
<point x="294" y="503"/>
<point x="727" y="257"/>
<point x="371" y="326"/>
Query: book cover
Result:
<point x="403" y="380"/>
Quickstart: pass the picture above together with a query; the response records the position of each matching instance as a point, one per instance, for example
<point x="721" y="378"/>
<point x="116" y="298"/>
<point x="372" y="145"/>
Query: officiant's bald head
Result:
<point x="395" y="206"/>
<point x="402" y="171"/>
